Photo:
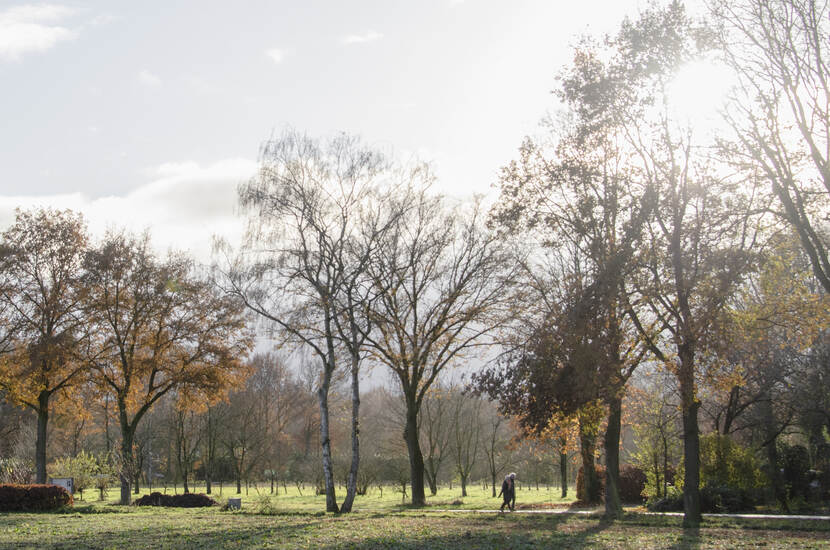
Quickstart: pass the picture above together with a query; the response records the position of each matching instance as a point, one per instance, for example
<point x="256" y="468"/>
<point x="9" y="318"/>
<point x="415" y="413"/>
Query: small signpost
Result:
<point x="67" y="483"/>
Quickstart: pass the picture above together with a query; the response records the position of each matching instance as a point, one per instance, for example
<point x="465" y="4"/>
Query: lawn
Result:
<point x="293" y="499"/>
<point x="115" y="527"/>
<point x="293" y="518"/>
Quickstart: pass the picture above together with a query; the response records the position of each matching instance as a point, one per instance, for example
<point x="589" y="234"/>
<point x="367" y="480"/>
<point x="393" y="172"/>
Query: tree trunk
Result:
<point x="40" y="446"/>
<point x="208" y="482"/>
<point x="126" y="463"/>
<point x="416" y="459"/>
<point x="351" y="484"/>
<point x="432" y="480"/>
<point x="463" y="486"/>
<point x="590" y="482"/>
<point x="493" y="479"/>
<point x="613" y="506"/>
<point x="563" y="473"/>
<point x="691" y="441"/>
<point x="325" y="442"/>
<point x="778" y="486"/>
<point x="239" y="484"/>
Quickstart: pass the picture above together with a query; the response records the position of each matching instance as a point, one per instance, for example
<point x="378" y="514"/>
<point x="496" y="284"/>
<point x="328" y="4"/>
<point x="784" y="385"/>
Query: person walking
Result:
<point x="508" y="492"/>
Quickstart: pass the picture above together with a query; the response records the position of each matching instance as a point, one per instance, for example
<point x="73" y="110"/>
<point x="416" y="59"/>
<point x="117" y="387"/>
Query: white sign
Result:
<point x="67" y="483"/>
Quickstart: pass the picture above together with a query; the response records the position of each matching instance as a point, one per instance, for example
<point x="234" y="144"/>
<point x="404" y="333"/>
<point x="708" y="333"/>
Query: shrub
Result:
<point x="726" y="500"/>
<point x="632" y="484"/>
<point x="725" y="463"/>
<point x="81" y="468"/>
<point x="713" y="500"/>
<point x="671" y="502"/>
<point x="580" y="484"/>
<point x="16" y="471"/>
<point x="33" y="498"/>
<point x="186" y="500"/>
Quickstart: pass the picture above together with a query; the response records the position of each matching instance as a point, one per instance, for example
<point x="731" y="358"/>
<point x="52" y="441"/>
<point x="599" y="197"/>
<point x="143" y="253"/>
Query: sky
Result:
<point x="147" y="115"/>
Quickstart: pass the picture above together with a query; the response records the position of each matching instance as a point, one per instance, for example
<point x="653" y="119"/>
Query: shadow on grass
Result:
<point x="256" y="535"/>
<point x="496" y="532"/>
<point x="690" y="540"/>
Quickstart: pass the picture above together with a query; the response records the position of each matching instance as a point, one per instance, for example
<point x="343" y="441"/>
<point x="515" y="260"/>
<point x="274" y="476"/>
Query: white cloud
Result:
<point x="276" y="54"/>
<point x="183" y="205"/>
<point x="370" y="36"/>
<point x="31" y="29"/>
<point x="148" y="79"/>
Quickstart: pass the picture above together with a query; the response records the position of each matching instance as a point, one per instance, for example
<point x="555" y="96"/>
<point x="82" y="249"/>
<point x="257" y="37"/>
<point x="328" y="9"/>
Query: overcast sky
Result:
<point x="148" y="114"/>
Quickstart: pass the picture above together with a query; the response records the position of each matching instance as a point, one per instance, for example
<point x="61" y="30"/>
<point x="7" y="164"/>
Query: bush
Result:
<point x="580" y="484"/>
<point x="82" y="468"/>
<point x="186" y="500"/>
<point x="713" y="500"/>
<point x="16" y="471"/>
<point x="33" y="498"/>
<point x="724" y="463"/>
<point x="671" y="502"/>
<point x="632" y="484"/>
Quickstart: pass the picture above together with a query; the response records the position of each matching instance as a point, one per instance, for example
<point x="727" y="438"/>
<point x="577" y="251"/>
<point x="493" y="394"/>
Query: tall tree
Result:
<point x="159" y="327"/>
<point x="300" y="268"/>
<point x="442" y="285"/>
<point x="43" y="319"/>
<point x="576" y="192"/>
<point x="700" y="233"/>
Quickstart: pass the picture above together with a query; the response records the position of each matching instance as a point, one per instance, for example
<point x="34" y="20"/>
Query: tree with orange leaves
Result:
<point x="41" y="312"/>
<point x="158" y="328"/>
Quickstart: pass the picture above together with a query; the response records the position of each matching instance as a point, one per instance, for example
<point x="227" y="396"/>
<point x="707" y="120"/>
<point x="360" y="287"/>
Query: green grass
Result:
<point x="294" y="500"/>
<point x="295" y="520"/>
<point x="208" y="529"/>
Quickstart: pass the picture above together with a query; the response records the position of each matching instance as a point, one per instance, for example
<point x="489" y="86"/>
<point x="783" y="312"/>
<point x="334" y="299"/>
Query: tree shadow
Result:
<point x="542" y="531"/>
<point x="690" y="540"/>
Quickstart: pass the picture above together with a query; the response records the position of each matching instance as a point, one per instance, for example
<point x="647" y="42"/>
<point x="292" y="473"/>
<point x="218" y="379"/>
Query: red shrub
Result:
<point x="632" y="484"/>
<point x="33" y="498"/>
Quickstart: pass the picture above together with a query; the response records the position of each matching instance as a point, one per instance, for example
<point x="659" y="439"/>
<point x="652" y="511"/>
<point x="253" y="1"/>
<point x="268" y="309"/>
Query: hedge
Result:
<point x="33" y="498"/>
<point x="632" y="483"/>
<point x="186" y="500"/>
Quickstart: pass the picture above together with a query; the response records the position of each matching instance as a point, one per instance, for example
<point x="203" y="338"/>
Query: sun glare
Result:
<point x="699" y="91"/>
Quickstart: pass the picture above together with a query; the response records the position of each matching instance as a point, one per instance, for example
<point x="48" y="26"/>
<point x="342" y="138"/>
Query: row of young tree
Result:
<point x="624" y="238"/>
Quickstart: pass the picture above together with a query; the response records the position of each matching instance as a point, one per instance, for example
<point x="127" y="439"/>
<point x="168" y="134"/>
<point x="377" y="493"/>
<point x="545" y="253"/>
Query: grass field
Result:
<point x="292" y="499"/>
<point x="295" y="521"/>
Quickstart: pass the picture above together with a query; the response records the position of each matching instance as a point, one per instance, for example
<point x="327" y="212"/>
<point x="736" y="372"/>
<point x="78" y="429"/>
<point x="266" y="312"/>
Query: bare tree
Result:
<point x="435" y="430"/>
<point x="301" y="263"/>
<point x="442" y="283"/>
<point x="495" y="436"/>
<point x="244" y="435"/>
<point x="466" y="435"/>
<point x="781" y="112"/>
